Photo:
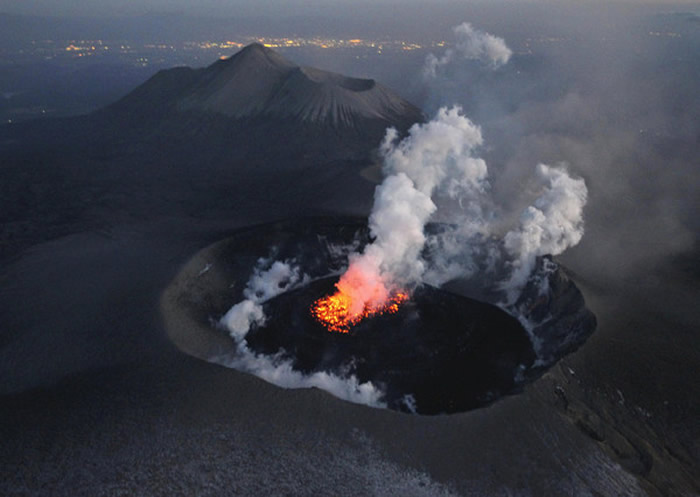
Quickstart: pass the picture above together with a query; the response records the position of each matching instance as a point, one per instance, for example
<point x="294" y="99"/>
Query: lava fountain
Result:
<point x="333" y="311"/>
<point x="360" y="294"/>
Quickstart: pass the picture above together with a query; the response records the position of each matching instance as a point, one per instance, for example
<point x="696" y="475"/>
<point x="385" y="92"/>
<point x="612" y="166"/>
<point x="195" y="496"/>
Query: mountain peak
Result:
<point x="257" y="53"/>
<point x="256" y="47"/>
<point x="258" y="81"/>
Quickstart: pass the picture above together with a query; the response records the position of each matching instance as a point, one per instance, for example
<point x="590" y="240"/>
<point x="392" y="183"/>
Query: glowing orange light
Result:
<point x="333" y="311"/>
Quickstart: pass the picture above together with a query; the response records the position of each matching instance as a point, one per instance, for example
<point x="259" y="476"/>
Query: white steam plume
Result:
<point x="280" y="372"/>
<point x="435" y="158"/>
<point x="438" y="155"/>
<point x="269" y="280"/>
<point x="501" y="252"/>
<point x="551" y="225"/>
<point x="433" y="165"/>
<point x="470" y="44"/>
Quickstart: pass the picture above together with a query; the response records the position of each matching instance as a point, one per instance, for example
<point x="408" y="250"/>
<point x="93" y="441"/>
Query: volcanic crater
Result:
<point x="439" y="352"/>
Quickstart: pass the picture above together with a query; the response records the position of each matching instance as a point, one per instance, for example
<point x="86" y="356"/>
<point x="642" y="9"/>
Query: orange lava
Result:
<point x="333" y="311"/>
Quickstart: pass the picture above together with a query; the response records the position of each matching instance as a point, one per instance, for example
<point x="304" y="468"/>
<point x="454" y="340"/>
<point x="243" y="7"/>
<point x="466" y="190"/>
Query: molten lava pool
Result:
<point x="435" y="352"/>
<point x="334" y="311"/>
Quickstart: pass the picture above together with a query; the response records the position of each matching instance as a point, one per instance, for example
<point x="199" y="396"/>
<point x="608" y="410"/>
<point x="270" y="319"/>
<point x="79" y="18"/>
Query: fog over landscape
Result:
<point x="170" y="174"/>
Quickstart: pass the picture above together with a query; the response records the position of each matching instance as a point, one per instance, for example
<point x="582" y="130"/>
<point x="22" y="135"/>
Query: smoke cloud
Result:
<point x="464" y="72"/>
<point x="280" y="372"/>
<point x="435" y="170"/>
<point x="269" y="280"/>
<point x="436" y="158"/>
<point x="470" y="44"/>
<point x="548" y="227"/>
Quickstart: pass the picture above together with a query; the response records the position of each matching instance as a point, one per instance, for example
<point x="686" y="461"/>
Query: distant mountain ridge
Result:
<point x="259" y="82"/>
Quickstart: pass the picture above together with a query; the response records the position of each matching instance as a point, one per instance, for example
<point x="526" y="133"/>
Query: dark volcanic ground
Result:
<point x="97" y="401"/>
<point x="113" y="407"/>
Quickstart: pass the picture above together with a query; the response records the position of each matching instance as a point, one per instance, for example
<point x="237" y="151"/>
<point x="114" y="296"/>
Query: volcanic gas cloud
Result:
<point x="435" y="157"/>
<point x="437" y="160"/>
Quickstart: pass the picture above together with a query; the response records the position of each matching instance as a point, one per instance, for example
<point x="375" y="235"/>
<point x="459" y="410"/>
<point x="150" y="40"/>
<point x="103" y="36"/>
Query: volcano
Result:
<point x="436" y="353"/>
<point x="258" y="81"/>
<point x="258" y="85"/>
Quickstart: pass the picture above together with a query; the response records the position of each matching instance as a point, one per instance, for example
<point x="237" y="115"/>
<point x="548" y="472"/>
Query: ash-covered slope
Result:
<point x="259" y="82"/>
<point x="239" y="86"/>
<point x="254" y="126"/>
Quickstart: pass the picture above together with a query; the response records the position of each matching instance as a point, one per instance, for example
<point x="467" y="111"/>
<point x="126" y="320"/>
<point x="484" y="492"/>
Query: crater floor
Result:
<point x="439" y="353"/>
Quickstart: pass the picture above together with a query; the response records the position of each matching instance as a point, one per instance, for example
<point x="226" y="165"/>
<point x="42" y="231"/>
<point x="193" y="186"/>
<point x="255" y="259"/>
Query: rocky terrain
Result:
<point x="99" y="215"/>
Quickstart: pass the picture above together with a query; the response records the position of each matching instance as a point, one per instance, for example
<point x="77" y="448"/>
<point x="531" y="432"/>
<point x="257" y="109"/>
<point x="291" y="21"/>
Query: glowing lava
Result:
<point x="334" y="311"/>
